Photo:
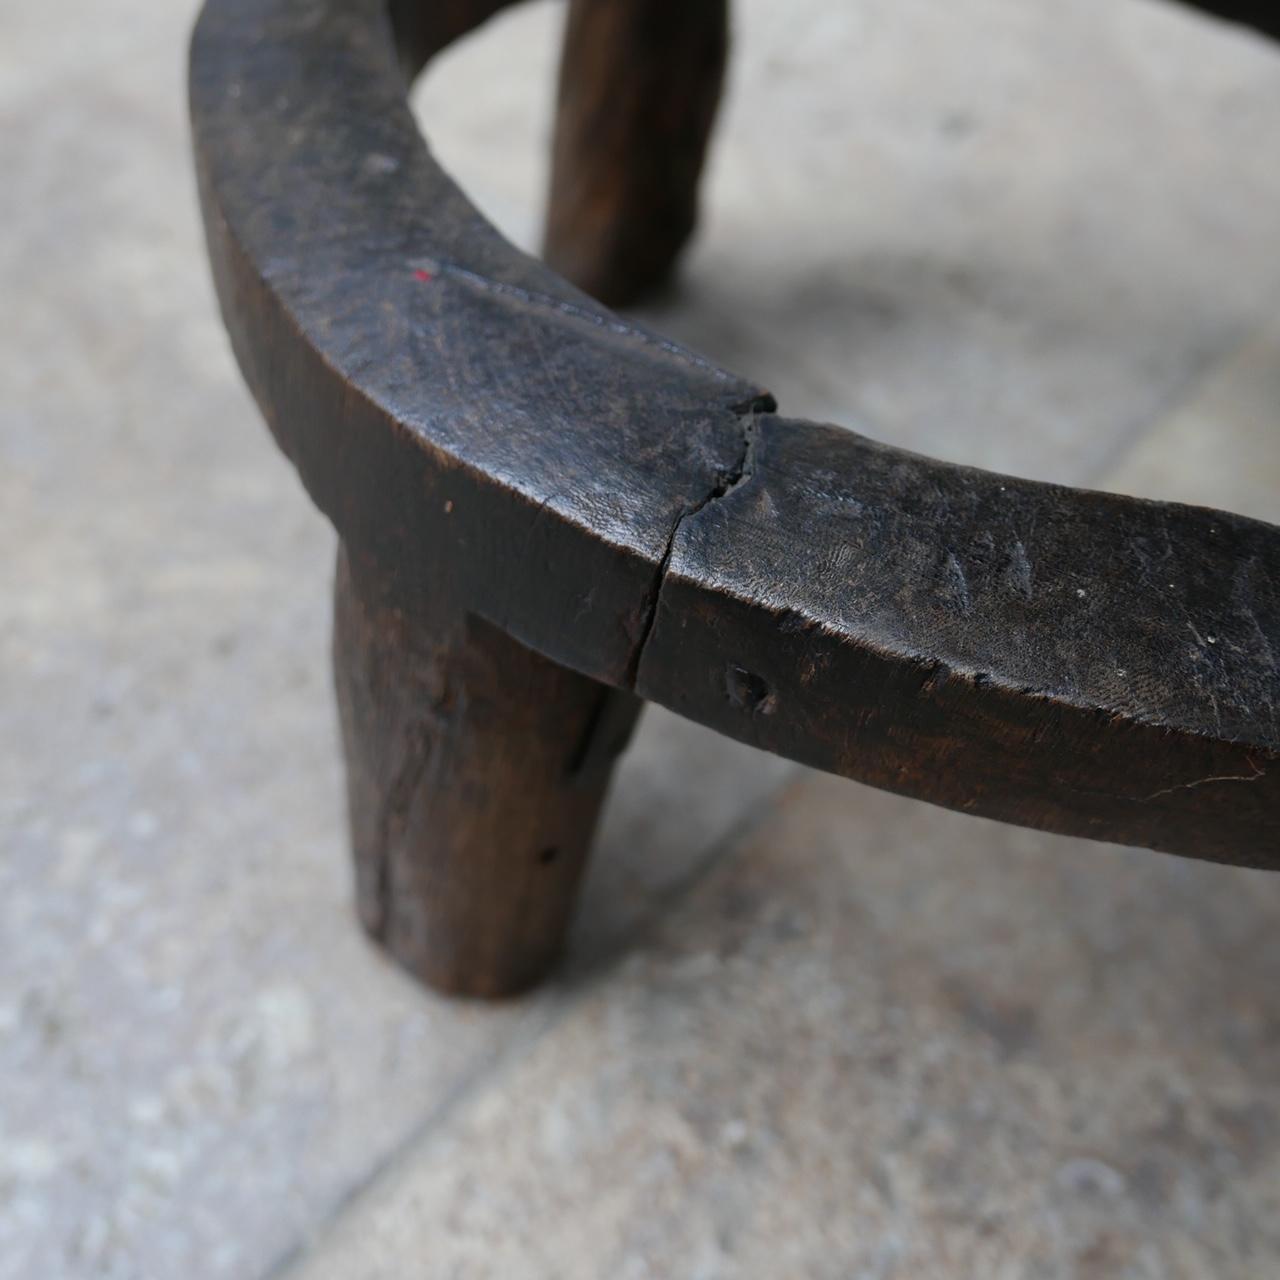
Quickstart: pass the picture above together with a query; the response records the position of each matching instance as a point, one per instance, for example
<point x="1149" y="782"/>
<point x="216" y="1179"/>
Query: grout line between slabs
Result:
<point x="577" y="983"/>
<point x="1213" y="367"/>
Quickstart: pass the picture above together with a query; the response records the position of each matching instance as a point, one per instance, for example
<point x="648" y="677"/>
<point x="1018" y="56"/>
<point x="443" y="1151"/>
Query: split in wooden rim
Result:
<point x="475" y="425"/>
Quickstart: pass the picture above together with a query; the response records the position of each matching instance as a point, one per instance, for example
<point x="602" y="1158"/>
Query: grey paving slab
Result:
<point x="882" y="1040"/>
<point x="68" y="44"/>
<point x="1222" y="447"/>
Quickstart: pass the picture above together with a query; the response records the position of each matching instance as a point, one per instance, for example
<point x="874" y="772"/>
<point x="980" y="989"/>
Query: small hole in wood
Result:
<point x="548" y="855"/>
<point x="749" y="692"/>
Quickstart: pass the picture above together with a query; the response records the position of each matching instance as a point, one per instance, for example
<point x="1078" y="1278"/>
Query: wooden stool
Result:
<point x="548" y="515"/>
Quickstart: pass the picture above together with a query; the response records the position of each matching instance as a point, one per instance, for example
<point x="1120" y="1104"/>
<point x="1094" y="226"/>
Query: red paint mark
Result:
<point x="425" y="276"/>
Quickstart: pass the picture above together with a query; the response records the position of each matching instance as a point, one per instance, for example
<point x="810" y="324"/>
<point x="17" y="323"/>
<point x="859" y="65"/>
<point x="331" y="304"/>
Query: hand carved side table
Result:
<point x="548" y="515"/>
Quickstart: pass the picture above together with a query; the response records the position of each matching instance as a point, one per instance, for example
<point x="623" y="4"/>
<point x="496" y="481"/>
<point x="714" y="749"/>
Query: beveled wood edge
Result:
<point x="334" y="340"/>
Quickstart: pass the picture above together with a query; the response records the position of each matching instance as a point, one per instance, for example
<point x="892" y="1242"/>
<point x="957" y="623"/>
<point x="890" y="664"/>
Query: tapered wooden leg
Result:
<point x="476" y="770"/>
<point x="639" y="84"/>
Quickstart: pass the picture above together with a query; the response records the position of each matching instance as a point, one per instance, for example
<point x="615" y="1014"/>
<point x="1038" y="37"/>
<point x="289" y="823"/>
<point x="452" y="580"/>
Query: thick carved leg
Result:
<point x="475" y="769"/>
<point x="639" y="85"/>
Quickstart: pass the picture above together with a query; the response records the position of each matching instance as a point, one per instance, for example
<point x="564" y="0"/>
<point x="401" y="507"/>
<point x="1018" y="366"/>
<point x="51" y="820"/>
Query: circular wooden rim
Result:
<point x="1069" y="660"/>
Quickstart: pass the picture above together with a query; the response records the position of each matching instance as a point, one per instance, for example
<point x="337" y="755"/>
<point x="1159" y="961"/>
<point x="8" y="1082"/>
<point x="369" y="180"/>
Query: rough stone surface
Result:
<point x="1221" y="448"/>
<point x="877" y="1039"/>
<point x="882" y="1040"/>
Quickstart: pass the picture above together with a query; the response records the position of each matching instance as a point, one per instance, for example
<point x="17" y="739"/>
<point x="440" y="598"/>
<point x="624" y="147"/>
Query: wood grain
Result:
<point x="475" y="773"/>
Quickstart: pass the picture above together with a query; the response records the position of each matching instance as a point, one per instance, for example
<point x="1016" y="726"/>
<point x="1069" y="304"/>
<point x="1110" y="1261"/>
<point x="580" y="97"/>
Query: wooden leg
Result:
<point x="639" y="85"/>
<point x="475" y="769"/>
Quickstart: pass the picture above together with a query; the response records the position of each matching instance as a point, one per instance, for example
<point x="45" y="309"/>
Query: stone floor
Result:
<point x="806" y="1029"/>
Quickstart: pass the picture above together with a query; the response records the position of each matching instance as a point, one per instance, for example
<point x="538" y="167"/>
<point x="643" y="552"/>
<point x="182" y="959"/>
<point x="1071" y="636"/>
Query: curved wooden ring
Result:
<point x="1063" y="659"/>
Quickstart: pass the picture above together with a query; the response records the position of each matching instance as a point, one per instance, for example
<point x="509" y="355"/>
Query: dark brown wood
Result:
<point x="475" y="772"/>
<point x="1050" y="657"/>
<point x="512" y="467"/>
<point x="1263" y="15"/>
<point x="639" y="85"/>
